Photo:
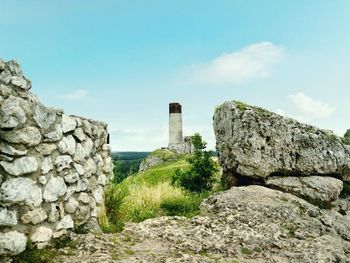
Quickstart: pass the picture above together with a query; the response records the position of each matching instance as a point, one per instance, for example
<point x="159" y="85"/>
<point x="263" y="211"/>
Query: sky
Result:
<point x="123" y="62"/>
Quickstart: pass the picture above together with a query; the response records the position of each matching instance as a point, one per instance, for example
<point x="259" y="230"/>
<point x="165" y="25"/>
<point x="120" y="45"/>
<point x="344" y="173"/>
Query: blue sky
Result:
<point x="123" y="61"/>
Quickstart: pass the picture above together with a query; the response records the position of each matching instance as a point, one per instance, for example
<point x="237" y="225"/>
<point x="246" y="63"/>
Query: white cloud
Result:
<point x="78" y="94"/>
<point x="311" y="108"/>
<point x="252" y="62"/>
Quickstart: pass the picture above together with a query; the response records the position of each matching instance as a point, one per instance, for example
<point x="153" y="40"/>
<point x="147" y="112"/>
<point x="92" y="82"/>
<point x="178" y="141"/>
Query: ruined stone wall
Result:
<point x="53" y="167"/>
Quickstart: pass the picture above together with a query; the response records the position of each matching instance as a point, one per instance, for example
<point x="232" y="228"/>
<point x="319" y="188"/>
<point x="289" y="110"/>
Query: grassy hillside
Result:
<point x="149" y="194"/>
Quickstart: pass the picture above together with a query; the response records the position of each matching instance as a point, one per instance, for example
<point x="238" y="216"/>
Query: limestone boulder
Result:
<point x="319" y="189"/>
<point x="255" y="143"/>
<point x="66" y="223"/>
<point x="7" y="217"/>
<point x="54" y="189"/>
<point x="29" y="136"/>
<point x="62" y="162"/>
<point x="42" y="235"/>
<point x="11" y="113"/>
<point x="35" y="216"/>
<point x="44" y="117"/>
<point x="12" y="243"/>
<point x="67" y="145"/>
<point x="68" y="123"/>
<point x="11" y="150"/>
<point x="55" y="134"/>
<point x="21" y="166"/>
<point x="20" y="190"/>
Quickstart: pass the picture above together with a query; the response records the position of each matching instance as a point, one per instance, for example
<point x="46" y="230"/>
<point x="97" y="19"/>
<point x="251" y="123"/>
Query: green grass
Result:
<point x="148" y="194"/>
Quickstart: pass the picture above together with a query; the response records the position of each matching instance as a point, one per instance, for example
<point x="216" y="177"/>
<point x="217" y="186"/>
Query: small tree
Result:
<point x="199" y="177"/>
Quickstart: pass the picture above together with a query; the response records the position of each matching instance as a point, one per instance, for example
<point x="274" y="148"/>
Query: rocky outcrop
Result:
<point x="48" y="160"/>
<point x="244" y="224"/>
<point x="156" y="158"/>
<point x="255" y="144"/>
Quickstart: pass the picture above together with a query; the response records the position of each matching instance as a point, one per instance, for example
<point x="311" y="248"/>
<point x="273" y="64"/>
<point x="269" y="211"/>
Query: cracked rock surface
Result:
<point x="244" y="224"/>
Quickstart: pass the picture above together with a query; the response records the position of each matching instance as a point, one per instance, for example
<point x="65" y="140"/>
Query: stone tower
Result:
<point x="175" y="127"/>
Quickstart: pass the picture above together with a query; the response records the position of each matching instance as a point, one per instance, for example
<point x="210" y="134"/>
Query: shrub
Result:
<point x="199" y="177"/>
<point x="110" y="216"/>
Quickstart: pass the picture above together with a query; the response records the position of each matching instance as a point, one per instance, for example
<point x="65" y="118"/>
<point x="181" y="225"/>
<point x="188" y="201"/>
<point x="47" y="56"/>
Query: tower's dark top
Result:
<point x="175" y="107"/>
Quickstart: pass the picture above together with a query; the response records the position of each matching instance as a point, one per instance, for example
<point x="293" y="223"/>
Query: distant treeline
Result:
<point x="129" y="156"/>
<point x="126" y="164"/>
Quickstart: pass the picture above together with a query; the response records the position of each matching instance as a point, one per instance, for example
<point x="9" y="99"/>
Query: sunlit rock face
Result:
<point x="47" y="160"/>
<point x="256" y="146"/>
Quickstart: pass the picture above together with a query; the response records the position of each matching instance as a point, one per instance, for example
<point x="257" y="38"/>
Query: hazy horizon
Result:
<point x="122" y="62"/>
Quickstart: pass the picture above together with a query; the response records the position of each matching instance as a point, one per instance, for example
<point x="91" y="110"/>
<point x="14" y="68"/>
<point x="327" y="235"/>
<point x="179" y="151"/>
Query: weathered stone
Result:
<point x="84" y="197"/>
<point x="63" y="162"/>
<point x="11" y="113"/>
<point x="21" y="83"/>
<point x="91" y="166"/>
<point x="44" y="117"/>
<point x="46" y="165"/>
<point x="88" y="145"/>
<point x="29" y="136"/>
<point x="98" y="194"/>
<point x="79" y="134"/>
<point x="68" y="123"/>
<point x="18" y="190"/>
<point x="102" y="180"/>
<point x="21" y="166"/>
<point x="55" y="135"/>
<point x="71" y="205"/>
<point x="80" y="169"/>
<point x="71" y="177"/>
<point x="66" y="223"/>
<point x="150" y="162"/>
<point x="314" y="188"/>
<point x="42" y="234"/>
<point x="46" y="148"/>
<point x="12" y="243"/>
<point x="35" y="216"/>
<point x="42" y="180"/>
<point x="82" y="215"/>
<point x="7" y="217"/>
<point x="67" y="145"/>
<point x="54" y="214"/>
<point x="70" y="191"/>
<point x="87" y="127"/>
<point x="80" y="154"/>
<point x="255" y="143"/>
<point x="11" y="150"/>
<point x="82" y="185"/>
<point x="54" y="189"/>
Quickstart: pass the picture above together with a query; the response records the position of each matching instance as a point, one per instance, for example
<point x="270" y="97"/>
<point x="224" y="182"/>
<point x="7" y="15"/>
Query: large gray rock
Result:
<point x="44" y="117"/>
<point x="7" y="218"/>
<point x="12" y="243"/>
<point x="320" y="189"/>
<point x="247" y="224"/>
<point x="20" y="190"/>
<point x="150" y="162"/>
<point x="11" y="113"/>
<point x="68" y="123"/>
<point x="54" y="189"/>
<point x="35" y="216"/>
<point x="67" y="145"/>
<point x="21" y="166"/>
<point x="29" y="136"/>
<point x="256" y="143"/>
<point x="11" y="150"/>
<point x="41" y="235"/>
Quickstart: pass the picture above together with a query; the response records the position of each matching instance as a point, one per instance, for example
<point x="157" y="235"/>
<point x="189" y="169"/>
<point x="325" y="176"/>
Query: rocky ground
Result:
<point x="243" y="224"/>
